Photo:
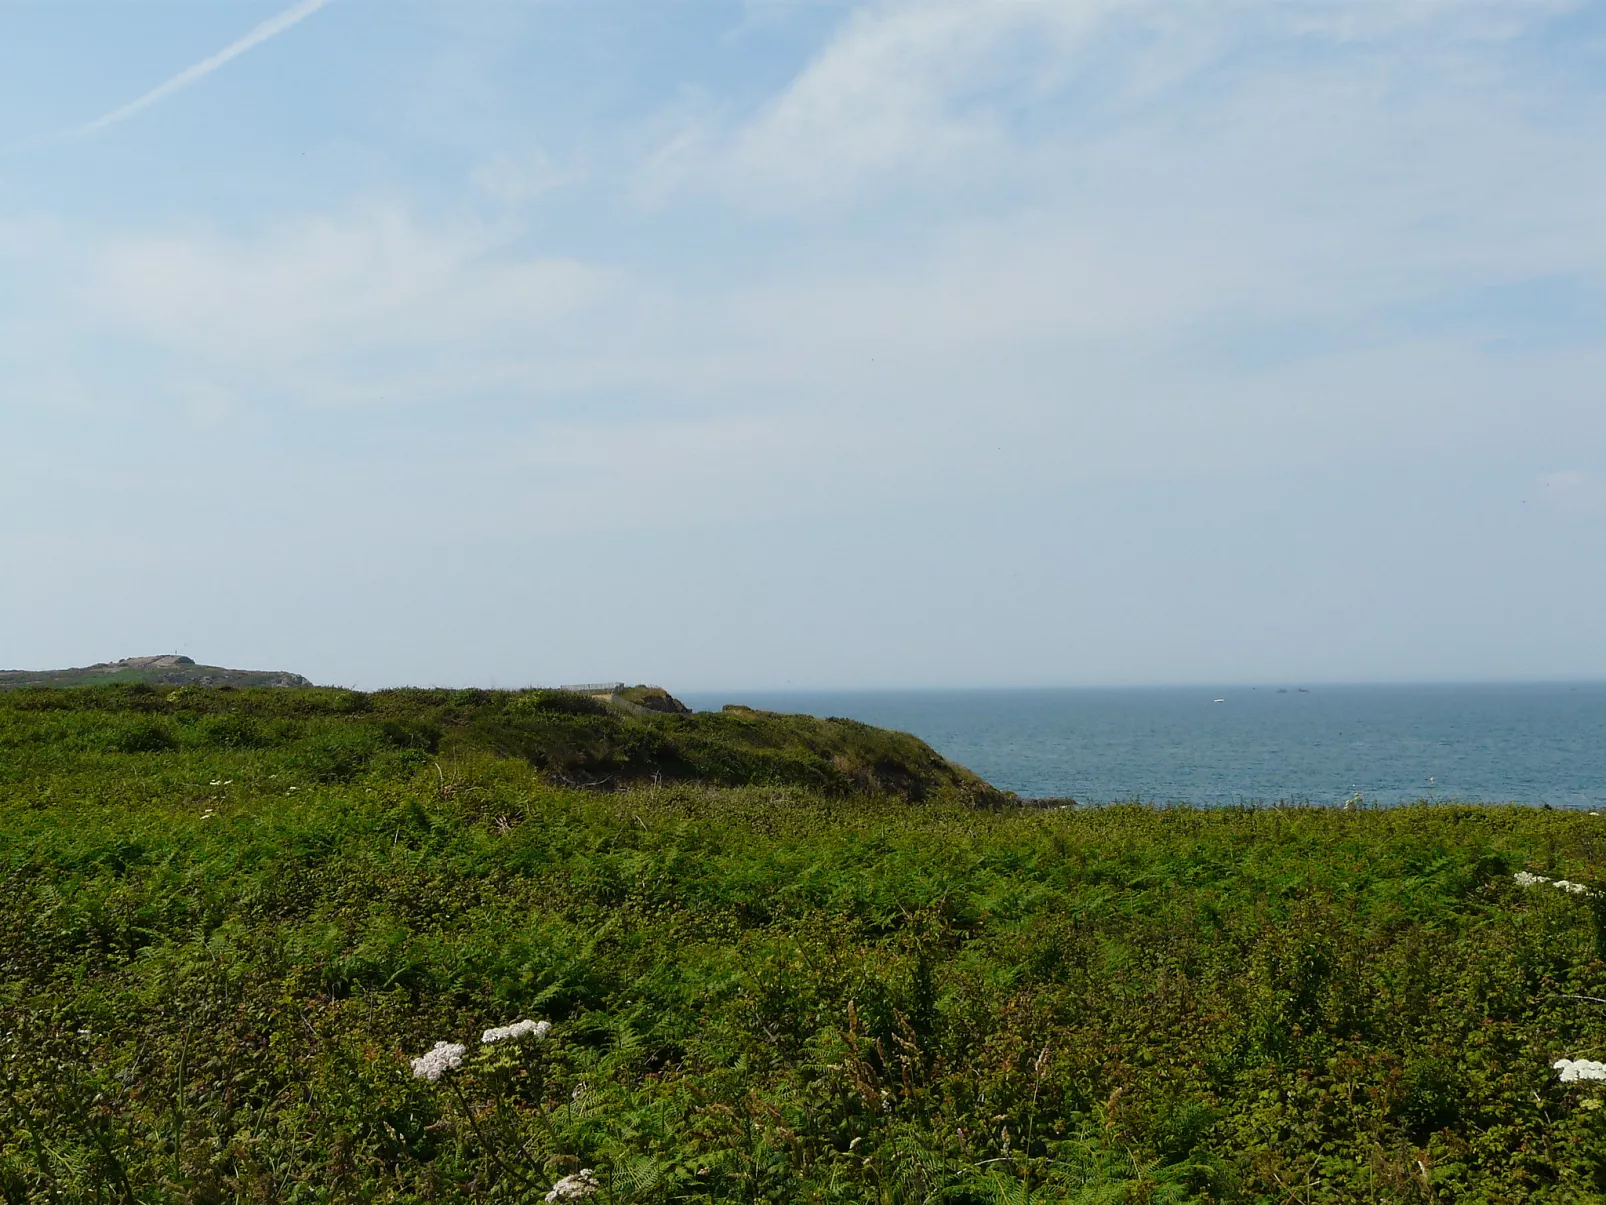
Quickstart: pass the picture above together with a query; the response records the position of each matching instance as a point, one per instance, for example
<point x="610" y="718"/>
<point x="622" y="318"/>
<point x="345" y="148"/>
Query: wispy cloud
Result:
<point x="908" y="84"/>
<point x="1085" y="315"/>
<point x="270" y="28"/>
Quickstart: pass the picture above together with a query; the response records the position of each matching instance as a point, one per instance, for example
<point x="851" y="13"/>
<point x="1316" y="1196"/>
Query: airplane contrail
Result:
<point x="269" y="28"/>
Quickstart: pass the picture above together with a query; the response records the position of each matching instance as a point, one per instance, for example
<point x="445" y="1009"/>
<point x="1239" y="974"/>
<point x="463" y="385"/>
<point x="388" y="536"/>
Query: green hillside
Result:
<point x="782" y="959"/>
<point x="335" y="735"/>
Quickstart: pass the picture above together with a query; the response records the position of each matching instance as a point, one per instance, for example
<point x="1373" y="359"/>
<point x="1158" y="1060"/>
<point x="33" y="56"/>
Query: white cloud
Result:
<point x="1170" y="279"/>
<point x="901" y="87"/>
<point x="355" y="302"/>
<point x="942" y="95"/>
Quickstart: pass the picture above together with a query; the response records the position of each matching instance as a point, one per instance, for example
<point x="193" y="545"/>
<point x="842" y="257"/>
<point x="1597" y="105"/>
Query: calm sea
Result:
<point x="1390" y="744"/>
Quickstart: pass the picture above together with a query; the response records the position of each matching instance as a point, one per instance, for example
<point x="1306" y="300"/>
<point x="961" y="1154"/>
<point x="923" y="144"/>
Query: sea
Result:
<point x="1254" y="745"/>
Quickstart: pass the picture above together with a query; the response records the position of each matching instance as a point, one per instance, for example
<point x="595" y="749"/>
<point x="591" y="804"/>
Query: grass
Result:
<point x="786" y="960"/>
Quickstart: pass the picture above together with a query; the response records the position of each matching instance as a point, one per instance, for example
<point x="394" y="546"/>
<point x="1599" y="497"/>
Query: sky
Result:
<point x="760" y="344"/>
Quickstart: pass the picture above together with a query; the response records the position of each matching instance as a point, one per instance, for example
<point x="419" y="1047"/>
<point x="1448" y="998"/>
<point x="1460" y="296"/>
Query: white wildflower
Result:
<point x="1523" y="879"/>
<point x="572" y="1188"/>
<point x="1577" y="1069"/>
<point x="517" y="1030"/>
<point x="442" y="1057"/>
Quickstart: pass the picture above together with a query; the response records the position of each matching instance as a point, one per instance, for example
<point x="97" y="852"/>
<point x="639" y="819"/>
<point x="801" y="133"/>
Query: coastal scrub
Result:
<point x="688" y="990"/>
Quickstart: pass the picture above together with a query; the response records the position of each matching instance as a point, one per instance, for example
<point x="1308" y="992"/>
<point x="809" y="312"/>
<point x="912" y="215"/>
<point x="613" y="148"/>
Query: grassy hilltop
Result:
<point x="169" y="670"/>
<point x="783" y="959"/>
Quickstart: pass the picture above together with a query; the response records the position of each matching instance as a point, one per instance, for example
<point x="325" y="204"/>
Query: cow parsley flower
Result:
<point x="517" y="1030"/>
<point x="440" y="1059"/>
<point x="1572" y="1070"/>
<point x="572" y="1188"/>
<point x="1523" y="879"/>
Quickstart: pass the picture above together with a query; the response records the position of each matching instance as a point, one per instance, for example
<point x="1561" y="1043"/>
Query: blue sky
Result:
<point x="783" y="343"/>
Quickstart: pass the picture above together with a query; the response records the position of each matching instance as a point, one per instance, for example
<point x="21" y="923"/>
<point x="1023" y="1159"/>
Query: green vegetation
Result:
<point x="784" y="959"/>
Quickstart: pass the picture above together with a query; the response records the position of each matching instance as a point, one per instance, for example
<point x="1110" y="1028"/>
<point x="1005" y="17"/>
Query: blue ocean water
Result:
<point x="1390" y="744"/>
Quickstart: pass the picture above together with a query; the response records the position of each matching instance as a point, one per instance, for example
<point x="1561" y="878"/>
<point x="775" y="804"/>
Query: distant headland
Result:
<point x="168" y="669"/>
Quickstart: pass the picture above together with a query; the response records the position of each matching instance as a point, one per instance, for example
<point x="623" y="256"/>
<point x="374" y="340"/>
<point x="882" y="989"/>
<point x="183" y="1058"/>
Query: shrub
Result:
<point x="233" y="730"/>
<point x="336" y="753"/>
<point x="143" y="736"/>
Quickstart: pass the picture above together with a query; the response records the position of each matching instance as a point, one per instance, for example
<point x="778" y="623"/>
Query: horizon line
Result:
<point x="1286" y="684"/>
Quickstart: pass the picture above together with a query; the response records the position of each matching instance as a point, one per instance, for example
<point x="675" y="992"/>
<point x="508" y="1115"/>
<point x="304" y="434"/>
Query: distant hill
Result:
<point x="167" y="670"/>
